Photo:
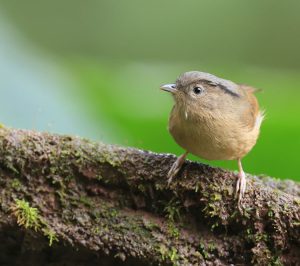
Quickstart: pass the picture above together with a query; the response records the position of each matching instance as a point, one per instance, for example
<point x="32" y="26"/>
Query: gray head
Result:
<point x="202" y="88"/>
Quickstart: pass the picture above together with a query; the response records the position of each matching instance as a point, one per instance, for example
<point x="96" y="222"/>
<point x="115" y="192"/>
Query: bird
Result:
<point x="214" y="119"/>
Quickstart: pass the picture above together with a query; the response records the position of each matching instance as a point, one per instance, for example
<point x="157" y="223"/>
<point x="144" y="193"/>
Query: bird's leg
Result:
<point x="241" y="183"/>
<point x="176" y="167"/>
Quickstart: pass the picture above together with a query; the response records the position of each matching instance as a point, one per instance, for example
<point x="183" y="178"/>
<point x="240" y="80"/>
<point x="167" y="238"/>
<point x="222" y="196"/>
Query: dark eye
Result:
<point x="198" y="90"/>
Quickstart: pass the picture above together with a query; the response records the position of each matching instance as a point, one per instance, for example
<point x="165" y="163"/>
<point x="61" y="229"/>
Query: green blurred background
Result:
<point x="93" y="68"/>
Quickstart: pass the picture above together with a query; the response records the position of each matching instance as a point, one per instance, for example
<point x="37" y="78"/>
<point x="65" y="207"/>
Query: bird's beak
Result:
<point x="169" y="88"/>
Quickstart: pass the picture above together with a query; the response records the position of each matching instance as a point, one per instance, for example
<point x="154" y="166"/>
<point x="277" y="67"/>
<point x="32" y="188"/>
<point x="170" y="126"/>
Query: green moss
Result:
<point x="163" y="251"/>
<point x="214" y="225"/>
<point x="270" y="213"/>
<point x="159" y="186"/>
<point x="256" y="237"/>
<point x="216" y="197"/>
<point x="261" y="237"/>
<point x="249" y="231"/>
<point x="141" y="188"/>
<point x="107" y="211"/>
<point x="99" y="177"/>
<point x="173" y="255"/>
<point x="10" y="165"/>
<point x="172" y="213"/>
<point x="30" y="218"/>
<point x="169" y="254"/>
<point x="247" y="212"/>
<point x="150" y="225"/>
<point x="86" y="201"/>
<point x="114" y="213"/>
<point x="173" y="231"/>
<point x="211" y="210"/>
<point x="172" y="210"/>
<point x="276" y="262"/>
<point x="203" y="251"/>
<point x="107" y="155"/>
<point x="262" y="255"/>
<point x="26" y="216"/>
<point x="297" y="201"/>
<point x="50" y="234"/>
<point x="61" y="194"/>
<point x="96" y="230"/>
<point x="211" y="247"/>
<point x="16" y="184"/>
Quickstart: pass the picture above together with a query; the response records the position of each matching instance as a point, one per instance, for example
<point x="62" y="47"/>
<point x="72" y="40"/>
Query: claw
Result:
<point x="237" y="188"/>
<point x="176" y="167"/>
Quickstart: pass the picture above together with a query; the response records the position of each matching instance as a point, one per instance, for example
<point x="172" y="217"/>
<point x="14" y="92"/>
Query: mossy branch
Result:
<point x="112" y="204"/>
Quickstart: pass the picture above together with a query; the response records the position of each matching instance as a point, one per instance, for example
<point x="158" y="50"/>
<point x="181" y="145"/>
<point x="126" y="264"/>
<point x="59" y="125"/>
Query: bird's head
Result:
<point x="196" y="89"/>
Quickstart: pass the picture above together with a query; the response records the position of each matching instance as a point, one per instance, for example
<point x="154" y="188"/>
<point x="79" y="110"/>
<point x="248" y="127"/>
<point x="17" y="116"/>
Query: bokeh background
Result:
<point x="93" y="68"/>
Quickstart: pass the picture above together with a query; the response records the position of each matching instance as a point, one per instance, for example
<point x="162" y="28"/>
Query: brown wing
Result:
<point x="249" y="88"/>
<point x="251" y="115"/>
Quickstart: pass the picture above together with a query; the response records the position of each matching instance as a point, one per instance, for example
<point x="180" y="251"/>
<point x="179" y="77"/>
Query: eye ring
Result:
<point x="197" y="90"/>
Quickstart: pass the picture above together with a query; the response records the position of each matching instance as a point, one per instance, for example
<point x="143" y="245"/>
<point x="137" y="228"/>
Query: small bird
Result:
<point x="215" y="119"/>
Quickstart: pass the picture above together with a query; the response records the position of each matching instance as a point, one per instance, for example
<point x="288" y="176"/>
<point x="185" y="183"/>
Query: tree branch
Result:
<point x="108" y="204"/>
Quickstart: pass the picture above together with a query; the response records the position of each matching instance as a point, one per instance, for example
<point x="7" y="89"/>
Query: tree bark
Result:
<point x="99" y="204"/>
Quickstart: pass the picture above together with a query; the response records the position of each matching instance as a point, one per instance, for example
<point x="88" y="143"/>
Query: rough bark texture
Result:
<point x="109" y="205"/>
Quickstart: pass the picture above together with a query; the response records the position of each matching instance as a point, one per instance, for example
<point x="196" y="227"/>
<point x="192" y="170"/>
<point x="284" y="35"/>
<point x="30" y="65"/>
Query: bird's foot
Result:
<point x="176" y="167"/>
<point x="240" y="187"/>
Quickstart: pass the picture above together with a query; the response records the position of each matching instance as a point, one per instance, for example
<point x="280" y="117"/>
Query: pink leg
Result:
<point x="241" y="183"/>
<point x="176" y="167"/>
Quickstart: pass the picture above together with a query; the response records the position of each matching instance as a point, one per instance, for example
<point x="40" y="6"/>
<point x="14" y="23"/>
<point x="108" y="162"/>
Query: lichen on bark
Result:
<point x="112" y="205"/>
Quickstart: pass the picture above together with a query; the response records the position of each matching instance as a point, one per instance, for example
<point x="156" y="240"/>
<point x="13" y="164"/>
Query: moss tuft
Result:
<point x="172" y="210"/>
<point x="30" y="218"/>
<point x="167" y="254"/>
<point x="16" y="184"/>
<point x="50" y="234"/>
<point x="173" y="231"/>
<point x="26" y="215"/>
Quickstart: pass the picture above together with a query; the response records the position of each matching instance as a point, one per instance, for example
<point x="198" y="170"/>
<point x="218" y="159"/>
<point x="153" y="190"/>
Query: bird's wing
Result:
<point x="249" y="88"/>
<point x="251" y="114"/>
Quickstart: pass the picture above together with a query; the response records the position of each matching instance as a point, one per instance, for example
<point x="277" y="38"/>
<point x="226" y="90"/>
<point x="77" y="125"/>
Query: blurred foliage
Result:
<point x="233" y="31"/>
<point x="119" y="52"/>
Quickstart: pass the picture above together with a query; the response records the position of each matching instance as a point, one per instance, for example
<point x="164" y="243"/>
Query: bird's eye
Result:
<point x="198" y="90"/>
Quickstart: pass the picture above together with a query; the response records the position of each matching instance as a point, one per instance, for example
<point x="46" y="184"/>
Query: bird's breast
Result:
<point x="212" y="137"/>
